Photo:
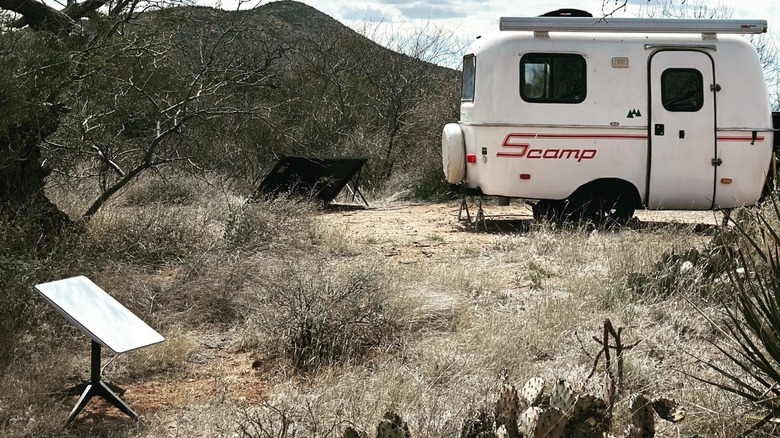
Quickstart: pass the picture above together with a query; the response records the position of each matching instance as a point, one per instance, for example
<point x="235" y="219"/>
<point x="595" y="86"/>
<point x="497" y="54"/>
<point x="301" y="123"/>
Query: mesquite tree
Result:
<point x="112" y="89"/>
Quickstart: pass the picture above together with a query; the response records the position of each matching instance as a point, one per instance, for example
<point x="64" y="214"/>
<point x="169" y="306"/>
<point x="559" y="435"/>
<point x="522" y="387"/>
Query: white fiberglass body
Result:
<point x="659" y="120"/>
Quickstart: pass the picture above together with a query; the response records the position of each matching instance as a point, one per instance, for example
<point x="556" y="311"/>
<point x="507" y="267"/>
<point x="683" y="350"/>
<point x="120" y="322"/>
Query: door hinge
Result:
<point x="717" y="161"/>
<point x="715" y="87"/>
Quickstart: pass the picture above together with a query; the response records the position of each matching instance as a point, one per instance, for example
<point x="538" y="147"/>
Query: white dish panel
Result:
<point x="99" y="316"/>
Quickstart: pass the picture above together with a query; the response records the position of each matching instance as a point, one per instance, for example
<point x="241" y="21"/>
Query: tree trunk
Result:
<point x="22" y="174"/>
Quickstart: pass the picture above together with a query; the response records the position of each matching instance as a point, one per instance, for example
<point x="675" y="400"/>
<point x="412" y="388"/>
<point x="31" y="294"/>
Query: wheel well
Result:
<point x="625" y="187"/>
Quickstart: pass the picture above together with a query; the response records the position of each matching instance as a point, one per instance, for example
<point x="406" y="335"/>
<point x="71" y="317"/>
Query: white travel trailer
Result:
<point x="596" y="117"/>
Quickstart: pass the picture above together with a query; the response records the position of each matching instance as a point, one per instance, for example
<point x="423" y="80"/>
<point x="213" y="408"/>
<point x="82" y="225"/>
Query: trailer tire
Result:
<point x="453" y="153"/>
<point x="549" y="211"/>
<point x="603" y="207"/>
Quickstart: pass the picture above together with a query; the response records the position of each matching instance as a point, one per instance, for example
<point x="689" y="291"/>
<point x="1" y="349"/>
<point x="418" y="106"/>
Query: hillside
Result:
<point x="316" y="87"/>
<point x="288" y="23"/>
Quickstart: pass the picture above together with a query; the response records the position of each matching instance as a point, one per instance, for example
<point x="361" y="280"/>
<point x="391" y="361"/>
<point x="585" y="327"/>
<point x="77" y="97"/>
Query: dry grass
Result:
<point x="450" y="312"/>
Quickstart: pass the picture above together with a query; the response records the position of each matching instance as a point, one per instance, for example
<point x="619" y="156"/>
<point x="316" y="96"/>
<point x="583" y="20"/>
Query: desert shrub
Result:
<point x="427" y="178"/>
<point x="17" y="308"/>
<point x="175" y="190"/>
<point x="689" y="269"/>
<point x="317" y="315"/>
<point x="28" y="257"/>
<point x="149" y="236"/>
<point x="285" y="420"/>
<point x="677" y="270"/>
<point x="752" y="349"/>
<point x="167" y="356"/>
<point x="265" y="223"/>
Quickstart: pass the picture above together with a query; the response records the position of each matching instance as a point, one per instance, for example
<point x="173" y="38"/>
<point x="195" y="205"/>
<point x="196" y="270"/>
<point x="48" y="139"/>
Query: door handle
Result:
<point x="659" y="129"/>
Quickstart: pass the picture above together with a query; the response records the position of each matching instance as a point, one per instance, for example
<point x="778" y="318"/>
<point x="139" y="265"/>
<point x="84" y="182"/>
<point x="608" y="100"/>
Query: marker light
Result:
<point x="471" y="158"/>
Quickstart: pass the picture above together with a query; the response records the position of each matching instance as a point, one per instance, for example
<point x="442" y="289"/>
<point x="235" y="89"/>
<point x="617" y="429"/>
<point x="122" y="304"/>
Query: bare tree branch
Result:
<point x="40" y="16"/>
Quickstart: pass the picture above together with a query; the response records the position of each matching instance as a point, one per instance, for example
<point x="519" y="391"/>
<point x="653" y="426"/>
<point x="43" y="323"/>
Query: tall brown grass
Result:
<point x="341" y="332"/>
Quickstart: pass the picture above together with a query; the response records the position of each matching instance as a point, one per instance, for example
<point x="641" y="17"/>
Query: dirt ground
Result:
<point x="423" y="230"/>
<point x="401" y="232"/>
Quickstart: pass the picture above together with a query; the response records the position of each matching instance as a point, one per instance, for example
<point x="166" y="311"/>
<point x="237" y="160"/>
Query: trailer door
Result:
<point x="682" y="131"/>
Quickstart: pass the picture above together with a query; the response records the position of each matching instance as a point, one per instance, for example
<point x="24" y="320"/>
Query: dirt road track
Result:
<point x="423" y="229"/>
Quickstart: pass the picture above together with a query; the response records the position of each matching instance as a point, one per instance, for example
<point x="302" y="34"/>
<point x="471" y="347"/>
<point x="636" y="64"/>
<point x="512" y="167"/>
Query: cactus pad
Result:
<point x="533" y="390"/>
<point x="609" y="389"/>
<point x="350" y="432"/>
<point x="562" y="396"/>
<point x="588" y="405"/>
<point x="642" y="415"/>
<point x="507" y="409"/>
<point x="529" y="420"/>
<point x="392" y="427"/>
<point x="552" y="423"/>
<point x="669" y="410"/>
<point x="588" y="416"/>
<point x="476" y="425"/>
<point x="507" y="405"/>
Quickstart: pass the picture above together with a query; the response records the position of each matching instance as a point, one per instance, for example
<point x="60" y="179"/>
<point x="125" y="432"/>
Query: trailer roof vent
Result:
<point x="567" y="13"/>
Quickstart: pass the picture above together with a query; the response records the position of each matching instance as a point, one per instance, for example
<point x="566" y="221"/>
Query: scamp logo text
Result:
<point x="524" y="150"/>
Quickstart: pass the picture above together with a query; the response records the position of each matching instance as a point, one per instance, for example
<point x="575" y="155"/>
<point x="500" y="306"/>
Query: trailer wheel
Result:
<point x="548" y="211"/>
<point x="453" y="153"/>
<point x="603" y="207"/>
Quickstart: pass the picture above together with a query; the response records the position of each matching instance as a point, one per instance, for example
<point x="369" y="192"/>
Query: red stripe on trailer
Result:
<point x="740" y="139"/>
<point x="577" y="136"/>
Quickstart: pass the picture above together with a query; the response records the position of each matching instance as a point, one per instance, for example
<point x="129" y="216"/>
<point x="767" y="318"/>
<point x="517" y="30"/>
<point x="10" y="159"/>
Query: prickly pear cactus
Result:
<point x="552" y="423"/>
<point x="392" y="427"/>
<point x="351" y="432"/>
<point x="588" y="416"/>
<point x="588" y="406"/>
<point x="669" y="410"/>
<point x="532" y="391"/>
<point x="632" y="432"/>
<point x="528" y="421"/>
<point x="609" y="389"/>
<point x="642" y="419"/>
<point x="476" y="425"/>
<point x="507" y="410"/>
<point x="562" y="396"/>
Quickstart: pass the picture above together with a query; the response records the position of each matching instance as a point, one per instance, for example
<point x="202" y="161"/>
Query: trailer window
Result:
<point x="682" y="89"/>
<point x="469" y="74"/>
<point x="552" y="78"/>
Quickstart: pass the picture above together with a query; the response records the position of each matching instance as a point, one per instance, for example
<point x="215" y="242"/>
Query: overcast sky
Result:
<point x="469" y="18"/>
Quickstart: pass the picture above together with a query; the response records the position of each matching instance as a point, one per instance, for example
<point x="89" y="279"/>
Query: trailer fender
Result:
<point x="453" y="153"/>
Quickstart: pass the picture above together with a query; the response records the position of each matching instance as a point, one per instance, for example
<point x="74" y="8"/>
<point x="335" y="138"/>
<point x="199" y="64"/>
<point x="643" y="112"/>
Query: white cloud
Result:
<point x="474" y="17"/>
<point x="467" y="19"/>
